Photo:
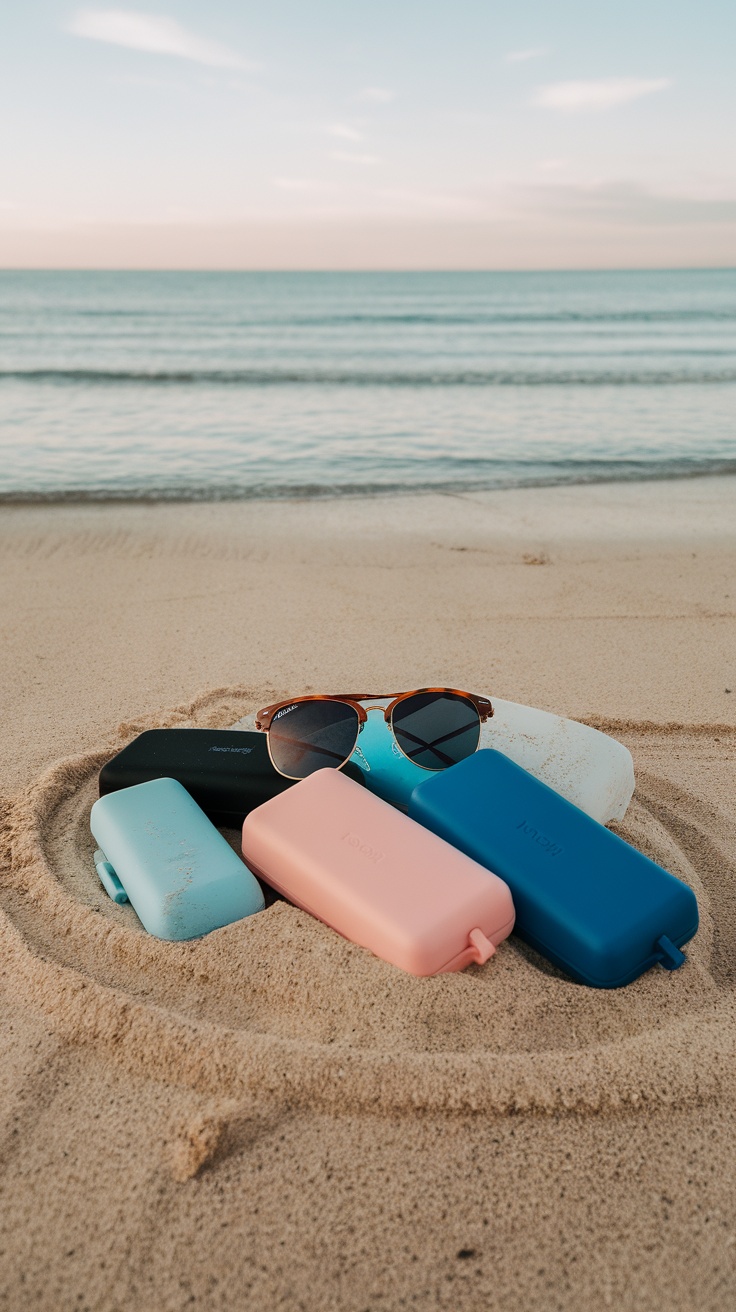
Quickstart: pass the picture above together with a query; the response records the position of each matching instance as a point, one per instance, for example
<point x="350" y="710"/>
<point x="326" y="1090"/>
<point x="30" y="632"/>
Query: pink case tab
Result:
<point x="376" y="876"/>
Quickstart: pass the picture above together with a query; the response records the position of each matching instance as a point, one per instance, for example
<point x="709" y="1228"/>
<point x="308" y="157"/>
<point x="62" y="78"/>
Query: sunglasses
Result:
<point x="433" y="727"/>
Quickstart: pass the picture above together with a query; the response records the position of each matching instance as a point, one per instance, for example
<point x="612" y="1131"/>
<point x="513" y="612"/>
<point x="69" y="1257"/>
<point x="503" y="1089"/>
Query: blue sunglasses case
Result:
<point x="584" y="898"/>
<point x="160" y="852"/>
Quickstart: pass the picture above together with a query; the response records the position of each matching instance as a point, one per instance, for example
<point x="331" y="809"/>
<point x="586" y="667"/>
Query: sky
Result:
<point x="395" y="134"/>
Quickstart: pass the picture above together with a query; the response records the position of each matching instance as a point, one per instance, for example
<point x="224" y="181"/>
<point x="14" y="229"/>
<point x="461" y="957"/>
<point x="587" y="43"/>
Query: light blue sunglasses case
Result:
<point x="585" y="766"/>
<point x="385" y="769"/>
<point x="160" y="852"/>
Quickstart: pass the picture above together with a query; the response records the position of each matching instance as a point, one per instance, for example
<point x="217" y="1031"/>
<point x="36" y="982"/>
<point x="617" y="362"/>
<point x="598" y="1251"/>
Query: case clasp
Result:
<point x="483" y="948"/>
<point x="108" y="878"/>
<point x="671" y="957"/>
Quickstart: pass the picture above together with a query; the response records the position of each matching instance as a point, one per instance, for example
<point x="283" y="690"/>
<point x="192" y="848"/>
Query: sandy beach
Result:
<point x="270" y="1117"/>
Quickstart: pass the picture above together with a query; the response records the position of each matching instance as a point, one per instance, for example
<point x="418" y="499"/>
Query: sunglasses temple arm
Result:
<point x="303" y="748"/>
<point x="455" y="733"/>
<point x="423" y="746"/>
<point x="433" y="746"/>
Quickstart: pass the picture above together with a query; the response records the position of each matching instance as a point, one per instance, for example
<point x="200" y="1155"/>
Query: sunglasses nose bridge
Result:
<point x="383" y="709"/>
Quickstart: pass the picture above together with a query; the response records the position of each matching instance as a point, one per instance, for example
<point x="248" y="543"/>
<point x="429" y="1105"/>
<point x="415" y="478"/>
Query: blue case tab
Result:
<point x="585" y="899"/>
<point x="160" y="852"/>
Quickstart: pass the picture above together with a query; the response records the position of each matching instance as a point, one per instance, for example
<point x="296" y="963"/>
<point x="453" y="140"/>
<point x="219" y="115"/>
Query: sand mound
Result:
<point x="278" y="1008"/>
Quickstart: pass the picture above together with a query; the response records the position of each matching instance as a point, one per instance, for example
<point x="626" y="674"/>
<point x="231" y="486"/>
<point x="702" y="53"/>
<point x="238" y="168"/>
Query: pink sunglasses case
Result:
<point x="377" y="877"/>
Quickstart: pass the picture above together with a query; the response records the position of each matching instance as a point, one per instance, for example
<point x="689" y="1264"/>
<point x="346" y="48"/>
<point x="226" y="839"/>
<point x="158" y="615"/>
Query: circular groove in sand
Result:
<point x="280" y="1009"/>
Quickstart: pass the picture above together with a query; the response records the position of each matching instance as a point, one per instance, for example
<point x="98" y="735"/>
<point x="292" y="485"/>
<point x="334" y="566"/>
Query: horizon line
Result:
<point x="204" y="269"/>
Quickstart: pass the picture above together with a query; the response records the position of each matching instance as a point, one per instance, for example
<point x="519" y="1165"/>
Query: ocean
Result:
<point x="235" y="385"/>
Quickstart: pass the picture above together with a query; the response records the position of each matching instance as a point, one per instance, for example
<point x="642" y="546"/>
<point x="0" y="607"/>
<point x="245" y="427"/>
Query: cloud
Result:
<point x="344" y="132"/>
<point x="377" y="95"/>
<point x="155" y="34"/>
<point x="600" y="94"/>
<point x="521" y="56"/>
<point x="351" y="157"/>
<point x="407" y="202"/>
<point x="299" y="184"/>
<point x="629" y="204"/>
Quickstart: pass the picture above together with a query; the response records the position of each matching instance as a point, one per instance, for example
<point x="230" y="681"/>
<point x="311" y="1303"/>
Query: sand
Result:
<point x="271" y="1117"/>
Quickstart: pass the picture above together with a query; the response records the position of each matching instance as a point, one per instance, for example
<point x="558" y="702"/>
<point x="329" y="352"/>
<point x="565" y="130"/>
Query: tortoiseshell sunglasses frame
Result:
<point x="265" y="718"/>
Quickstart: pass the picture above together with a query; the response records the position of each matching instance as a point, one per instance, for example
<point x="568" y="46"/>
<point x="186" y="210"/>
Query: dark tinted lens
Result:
<point x="311" y="735"/>
<point x="436" y="729"/>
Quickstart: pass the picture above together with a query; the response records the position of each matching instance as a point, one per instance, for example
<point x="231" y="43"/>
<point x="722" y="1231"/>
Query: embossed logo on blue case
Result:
<point x="551" y="848"/>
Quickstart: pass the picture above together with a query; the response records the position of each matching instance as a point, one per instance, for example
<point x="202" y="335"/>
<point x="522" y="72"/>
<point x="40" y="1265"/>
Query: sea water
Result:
<point x="193" y="385"/>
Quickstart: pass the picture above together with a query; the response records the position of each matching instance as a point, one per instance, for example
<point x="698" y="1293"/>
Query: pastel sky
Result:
<point x="399" y="133"/>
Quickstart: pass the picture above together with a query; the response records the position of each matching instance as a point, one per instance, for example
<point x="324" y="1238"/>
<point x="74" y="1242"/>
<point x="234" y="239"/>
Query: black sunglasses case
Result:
<point x="228" y="772"/>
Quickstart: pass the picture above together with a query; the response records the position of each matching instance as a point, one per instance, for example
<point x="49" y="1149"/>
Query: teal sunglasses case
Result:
<point x="158" y="850"/>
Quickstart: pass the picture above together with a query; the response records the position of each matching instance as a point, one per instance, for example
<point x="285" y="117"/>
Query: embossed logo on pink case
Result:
<point x="377" y="877"/>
